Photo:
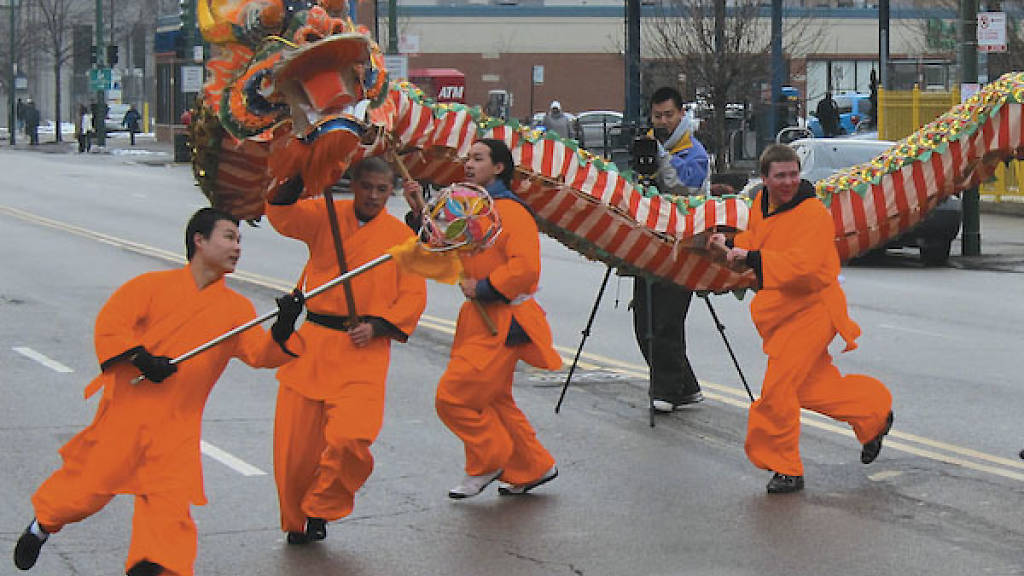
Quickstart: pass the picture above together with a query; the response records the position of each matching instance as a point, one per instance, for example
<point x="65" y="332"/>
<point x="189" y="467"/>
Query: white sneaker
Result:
<point x="506" y="489"/>
<point x="473" y="485"/>
<point x="663" y="406"/>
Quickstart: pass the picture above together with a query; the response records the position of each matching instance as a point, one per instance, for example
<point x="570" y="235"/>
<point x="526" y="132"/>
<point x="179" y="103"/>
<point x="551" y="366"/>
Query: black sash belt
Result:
<point x="329" y="321"/>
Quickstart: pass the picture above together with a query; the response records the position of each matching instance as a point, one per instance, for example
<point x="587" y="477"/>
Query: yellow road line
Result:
<point x="730" y="395"/>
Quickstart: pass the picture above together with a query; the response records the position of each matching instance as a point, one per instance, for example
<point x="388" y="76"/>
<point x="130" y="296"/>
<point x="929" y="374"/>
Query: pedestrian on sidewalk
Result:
<point x="131" y="121"/>
<point x="555" y="120"/>
<point x="83" y="129"/>
<point x="31" y="114"/>
<point x="144" y="439"/>
<point x="798" y="310"/>
<point x="474" y="397"/>
<point x="330" y="402"/>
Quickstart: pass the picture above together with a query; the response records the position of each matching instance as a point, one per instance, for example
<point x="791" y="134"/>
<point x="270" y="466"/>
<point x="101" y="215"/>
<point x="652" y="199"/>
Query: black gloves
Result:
<point x="155" y="368"/>
<point x="288" y="192"/>
<point x="289" y="307"/>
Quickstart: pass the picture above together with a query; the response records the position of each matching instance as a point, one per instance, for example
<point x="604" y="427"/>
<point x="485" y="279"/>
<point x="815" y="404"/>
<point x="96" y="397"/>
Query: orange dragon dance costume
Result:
<point x="798" y="310"/>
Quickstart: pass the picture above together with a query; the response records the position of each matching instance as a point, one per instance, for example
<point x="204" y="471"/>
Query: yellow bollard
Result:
<point x="145" y="117"/>
<point x="880" y="121"/>
<point x="916" y="108"/>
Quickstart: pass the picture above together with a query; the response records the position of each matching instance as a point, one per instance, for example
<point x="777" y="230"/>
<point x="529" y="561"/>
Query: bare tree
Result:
<point x="723" y="50"/>
<point x="24" y="42"/>
<point x="53" y="28"/>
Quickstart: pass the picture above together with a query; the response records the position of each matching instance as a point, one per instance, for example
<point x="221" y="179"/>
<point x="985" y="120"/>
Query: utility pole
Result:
<point x="776" y="66"/>
<point x="12" y="121"/>
<point x="100" y="113"/>
<point x="970" y="242"/>
<point x="632" y="112"/>
<point x="883" y="45"/>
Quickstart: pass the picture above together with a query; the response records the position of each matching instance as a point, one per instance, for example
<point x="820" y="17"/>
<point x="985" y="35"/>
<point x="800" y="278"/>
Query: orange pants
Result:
<point x="162" y="528"/>
<point x="477" y="405"/>
<point x="803" y="376"/>
<point x="322" y="451"/>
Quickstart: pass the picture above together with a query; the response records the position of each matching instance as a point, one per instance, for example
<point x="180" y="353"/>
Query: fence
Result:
<point x="902" y="112"/>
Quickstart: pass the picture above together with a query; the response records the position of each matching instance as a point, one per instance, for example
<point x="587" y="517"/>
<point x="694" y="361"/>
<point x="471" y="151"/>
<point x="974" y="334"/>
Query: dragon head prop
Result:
<point x="297" y="76"/>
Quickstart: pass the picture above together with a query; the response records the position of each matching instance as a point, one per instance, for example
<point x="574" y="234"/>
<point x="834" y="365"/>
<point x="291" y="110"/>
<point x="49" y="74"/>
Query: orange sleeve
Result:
<point x="798" y="262"/>
<point x="520" y="272"/>
<point x="300" y="220"/>
<point x="122" y="319"/>
<point x="404" y="313"/>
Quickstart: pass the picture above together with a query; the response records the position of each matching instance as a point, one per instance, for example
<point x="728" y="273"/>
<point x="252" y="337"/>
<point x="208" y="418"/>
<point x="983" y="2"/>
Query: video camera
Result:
<point x="644" y="157"/>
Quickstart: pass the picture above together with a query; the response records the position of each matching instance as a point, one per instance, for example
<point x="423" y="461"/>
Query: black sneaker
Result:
<point x="26" y="552"/>
<point x="316" y="530"/>
<point x="784" y="484"/>
<point x="145" y="568"/>
<point x="870" y="451"/>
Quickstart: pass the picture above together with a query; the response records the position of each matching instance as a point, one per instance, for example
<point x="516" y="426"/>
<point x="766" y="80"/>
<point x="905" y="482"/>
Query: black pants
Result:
<point x="672" y="378"/>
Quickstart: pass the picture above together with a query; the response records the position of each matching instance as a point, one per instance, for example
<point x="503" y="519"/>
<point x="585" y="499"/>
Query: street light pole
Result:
<point x="776" y="67"/>
<point x="12" y="124"/>
<point x="392" y="27"/>
<point x="970" y="243"/>
<point x="99" y="114"/>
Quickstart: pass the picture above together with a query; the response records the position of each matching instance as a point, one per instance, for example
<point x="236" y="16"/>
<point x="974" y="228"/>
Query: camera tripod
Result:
<point x="649" y="336"/>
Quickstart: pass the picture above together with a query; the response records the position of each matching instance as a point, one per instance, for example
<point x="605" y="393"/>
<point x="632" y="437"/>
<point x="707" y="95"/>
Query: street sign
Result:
<point x="191" y="78"/>
<point x="398" y="66"/>
<point x="991" y="31"/>
<point x="538" y="74"/>
<point x="99" y="79"/>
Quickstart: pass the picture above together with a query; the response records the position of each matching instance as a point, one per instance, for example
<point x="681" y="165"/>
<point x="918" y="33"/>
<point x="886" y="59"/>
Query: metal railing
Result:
<point x="902" y="112"/>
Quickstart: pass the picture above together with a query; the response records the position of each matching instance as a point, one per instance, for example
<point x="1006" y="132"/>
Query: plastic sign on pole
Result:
<point x="991" y="31"/>
<point x="538" y="74"/>
<point x="191" y="78"/>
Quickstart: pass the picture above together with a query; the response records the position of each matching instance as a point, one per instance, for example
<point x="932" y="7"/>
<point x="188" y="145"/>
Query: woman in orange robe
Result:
<point x="145" y="437"/>
<point x="474" y="397"/>
<point x="798" y="309"/>
<point x="330" y="405"/>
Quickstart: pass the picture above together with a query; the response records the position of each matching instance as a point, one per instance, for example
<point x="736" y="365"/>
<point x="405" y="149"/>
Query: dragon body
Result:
<point x="297" y="90"/>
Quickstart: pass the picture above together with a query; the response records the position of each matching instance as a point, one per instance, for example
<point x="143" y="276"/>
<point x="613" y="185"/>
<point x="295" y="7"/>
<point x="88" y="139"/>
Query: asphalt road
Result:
<point x="945" y="496"/>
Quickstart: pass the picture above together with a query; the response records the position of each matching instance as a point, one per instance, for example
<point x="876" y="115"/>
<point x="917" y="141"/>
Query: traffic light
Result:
<point x="111" y="54"/>
<point x="92" y="54"/>
<point x="188" y="17"/>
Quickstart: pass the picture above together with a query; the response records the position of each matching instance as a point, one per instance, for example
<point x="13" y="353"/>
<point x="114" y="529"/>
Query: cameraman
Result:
<point x="682" y="170"/>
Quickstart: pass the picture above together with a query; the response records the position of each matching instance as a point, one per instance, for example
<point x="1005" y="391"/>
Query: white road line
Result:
<point x="233" y="462"/>
<point x="915" y="331"/>
<point x="42" y="359"/>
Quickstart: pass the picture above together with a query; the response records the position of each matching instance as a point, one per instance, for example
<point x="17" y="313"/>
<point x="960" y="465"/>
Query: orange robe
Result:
<point x="474" y="397"/>
<point x="145" y="437"/>
<point x="330" y="404"/>
<point x="798" y="310"/>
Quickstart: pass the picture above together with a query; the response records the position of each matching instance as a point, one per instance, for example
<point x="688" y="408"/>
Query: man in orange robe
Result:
<point x="330" y="404"/>
<point x="798" y="309"/>
<point x="145" y="437"/>
<point x="474" y="397"/>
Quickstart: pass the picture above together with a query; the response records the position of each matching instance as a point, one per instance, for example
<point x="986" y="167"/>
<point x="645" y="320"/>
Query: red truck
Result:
<point x="441" y="84"/>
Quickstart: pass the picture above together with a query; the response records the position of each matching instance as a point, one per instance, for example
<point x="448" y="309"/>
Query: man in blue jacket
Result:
<point x="682" y="170"/>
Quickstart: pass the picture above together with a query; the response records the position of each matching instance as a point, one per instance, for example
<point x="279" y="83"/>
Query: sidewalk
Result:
<point x="146" y="149"/>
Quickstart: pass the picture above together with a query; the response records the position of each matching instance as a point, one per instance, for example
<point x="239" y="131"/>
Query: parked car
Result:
<point x="598" y="129"/>
<point x="822" y="157"/>
<point x="115" y="117"/>
<point x="854" y="109"/>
